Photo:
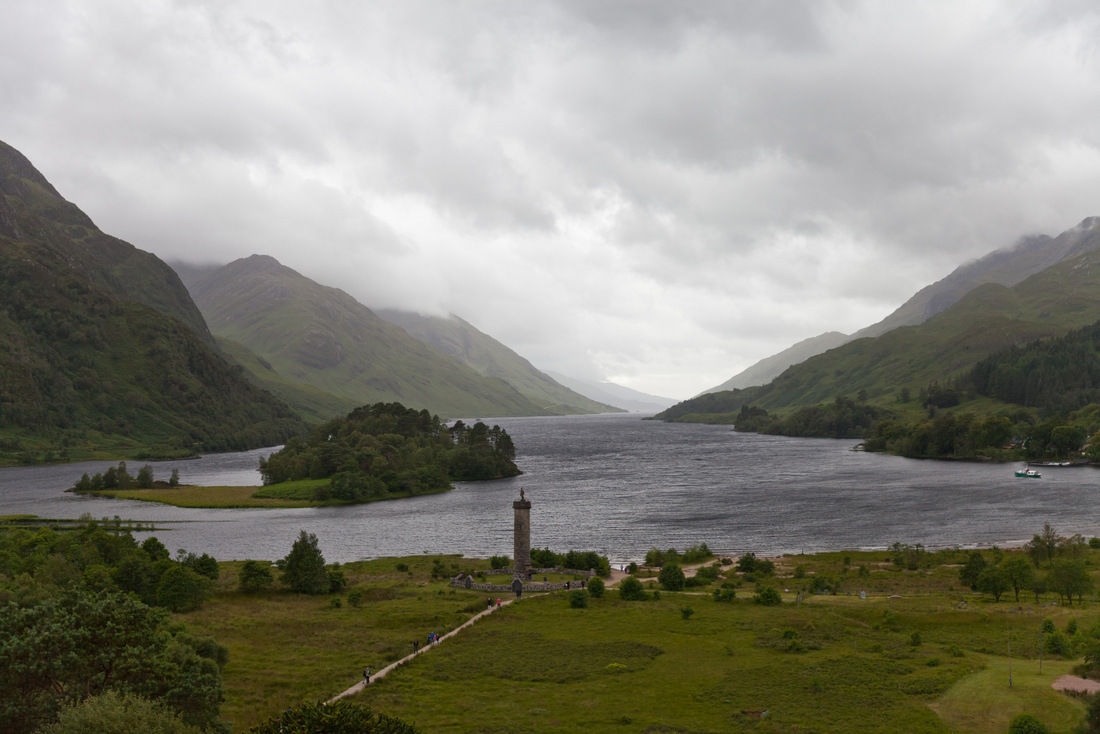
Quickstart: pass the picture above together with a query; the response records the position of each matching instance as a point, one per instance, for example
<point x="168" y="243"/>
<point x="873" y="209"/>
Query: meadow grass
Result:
<point x="907" y="658"/>
<point x="189" y="496"/>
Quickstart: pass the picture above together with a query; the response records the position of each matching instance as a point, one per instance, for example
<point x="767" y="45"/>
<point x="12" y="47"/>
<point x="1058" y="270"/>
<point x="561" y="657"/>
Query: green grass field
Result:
<point x="908" y="658"/>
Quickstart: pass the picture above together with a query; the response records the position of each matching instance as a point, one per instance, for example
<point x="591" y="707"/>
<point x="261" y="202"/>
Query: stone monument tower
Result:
<point x="521" y="567"/>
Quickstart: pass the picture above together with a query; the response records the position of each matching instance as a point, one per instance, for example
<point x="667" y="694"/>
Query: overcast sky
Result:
<point x="654" y="193"/>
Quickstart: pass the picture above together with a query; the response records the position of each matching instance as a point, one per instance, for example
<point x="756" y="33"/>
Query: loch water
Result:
<point x="620" y="485"/>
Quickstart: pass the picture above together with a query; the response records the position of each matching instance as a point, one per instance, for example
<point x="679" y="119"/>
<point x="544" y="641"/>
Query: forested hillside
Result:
<point x="102" y="350"/>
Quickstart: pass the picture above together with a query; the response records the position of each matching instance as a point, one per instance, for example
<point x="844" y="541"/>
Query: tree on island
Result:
<point x="386" y="450"/>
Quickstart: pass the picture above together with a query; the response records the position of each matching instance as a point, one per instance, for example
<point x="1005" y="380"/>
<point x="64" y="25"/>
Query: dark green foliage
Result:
<point x="671" y="577"/>
<point x="596" y="587"/>
<point x="578" y="599"/>
<point x="204" y="565"/>
<point x="255" y="576"/>
<point x="575" y="560"/>
<point x="304" y="567"/>
<point x="338" y="717"/>
<point x="181" y="589"/>
<point x="686" y="612"/>
<point x="155" y="549"/>
<point x="1092" y="714"/>
<point x="631" y="589"/>
<point x="118" y="713"/>
<point x="767" y="596"/>
<point x="972" y="570"/>
<point x="387" y="449"/>
<point x="1059" y="374"/>
<point x="174" y="479"/>
<point x="993" y="580"/>
<point x="81" y="644"/>
<point x="1027" y="724"/>
<point x="498" y="562"/>
<point x="1069" y="579"/>
<point x="909" y="557"/>
<point x="337" y="581"/>
<point x="725" y="594"/>
<point x="145" y="477"/>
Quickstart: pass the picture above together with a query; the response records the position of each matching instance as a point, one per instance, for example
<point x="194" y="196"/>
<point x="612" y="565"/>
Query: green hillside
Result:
<point x="488" y="357"/>
<point x="101" y="349"/>
<point x="314" y="335"/>
<point x="991" y="317"/>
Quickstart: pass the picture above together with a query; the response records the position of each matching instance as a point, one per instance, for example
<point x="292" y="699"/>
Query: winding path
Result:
<point x="616" y="577"/>
<point x="382" y="673"/>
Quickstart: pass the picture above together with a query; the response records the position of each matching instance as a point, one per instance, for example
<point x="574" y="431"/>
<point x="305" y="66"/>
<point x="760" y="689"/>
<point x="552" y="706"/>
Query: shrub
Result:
<point x="632" y="568"/>
<point x="595" y="587"/>
<point x="578" y="599"/>
<point x="111" y="711"/>
<point x="1027" y="724"/>
<point x="497" y="562"/>
<point x="355" y="597"/>
<point x="915" y="639"/>
<point x="724" y="594"/>
<point x="767" y="596"/>
<point x="337" y="581"/>
<point x="671" y="577"/>
<point x="1056" y="644"/>
<point x="402" y="567"/>
<point x="631" y="590"/>
<point x="336" y="717"/>
<point x="799" y="572"/>
<point x="686" y="612"/>
<point x="708" y="573"/>
<point x="335" y="602"/>
<point x="254" y="576"/>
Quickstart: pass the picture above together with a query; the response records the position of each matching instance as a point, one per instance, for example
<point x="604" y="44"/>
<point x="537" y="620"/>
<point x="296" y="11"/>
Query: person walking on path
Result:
<point x="416" y="646"/>
<point x="366" y="676"/>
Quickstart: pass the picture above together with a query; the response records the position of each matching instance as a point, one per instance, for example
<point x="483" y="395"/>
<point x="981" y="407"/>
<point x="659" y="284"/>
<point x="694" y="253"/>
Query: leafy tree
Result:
<point x="181" y="589"/>
<point x="304" y="567"/>
<point x="972" y="570"/>
<point x="1069" y="579"/>
<point x="255" y="576"/>
<point x="145" y="477"/>
<point x="155" y="549"/>
<point x="118" y="713"/>
<point x="671" y="577"/>
<point x="338" y="717"/>
<point x="1043" y="546"/>
<point x="578" y="599"/>
<point x="81" y="644"/>
<point x="174" y="479"/>
<point x="596" y="587"/>
<point x="993" y="580"/>
<point x="1019" y="572"/>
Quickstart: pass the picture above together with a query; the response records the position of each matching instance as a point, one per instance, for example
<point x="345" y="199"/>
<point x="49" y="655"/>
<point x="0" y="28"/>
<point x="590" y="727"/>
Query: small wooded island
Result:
<point x="376" y="452"/>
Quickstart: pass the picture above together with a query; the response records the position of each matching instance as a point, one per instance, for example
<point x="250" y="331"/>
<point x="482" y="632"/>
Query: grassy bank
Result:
<point x="287" y="494"/>
<point x="909" y="657"/>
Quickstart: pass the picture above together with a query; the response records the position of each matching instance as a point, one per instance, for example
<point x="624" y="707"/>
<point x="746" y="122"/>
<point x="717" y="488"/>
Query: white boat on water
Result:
<point x="1029" y="473"/>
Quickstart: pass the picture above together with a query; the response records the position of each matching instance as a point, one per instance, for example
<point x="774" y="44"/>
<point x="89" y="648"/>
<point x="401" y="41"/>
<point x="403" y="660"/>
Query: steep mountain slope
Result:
<point x="1007" y="266"/>
<point x="39" y="214"/>
<point x="617" y="395"/>
<point x="991" y="317"/>
<point x="488" y="357"/>
<point x="319" y="336"/>
<point x="100" y="345"/>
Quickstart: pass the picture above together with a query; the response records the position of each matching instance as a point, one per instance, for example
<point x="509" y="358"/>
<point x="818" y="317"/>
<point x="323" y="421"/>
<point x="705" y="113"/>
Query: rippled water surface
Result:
<point x="620" y="485"/>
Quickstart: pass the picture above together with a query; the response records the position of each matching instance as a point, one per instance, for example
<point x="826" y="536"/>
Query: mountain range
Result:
<point x="1006" y="266"/>
<point x="311" y="336"/>
<point x="988" y="318"/>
